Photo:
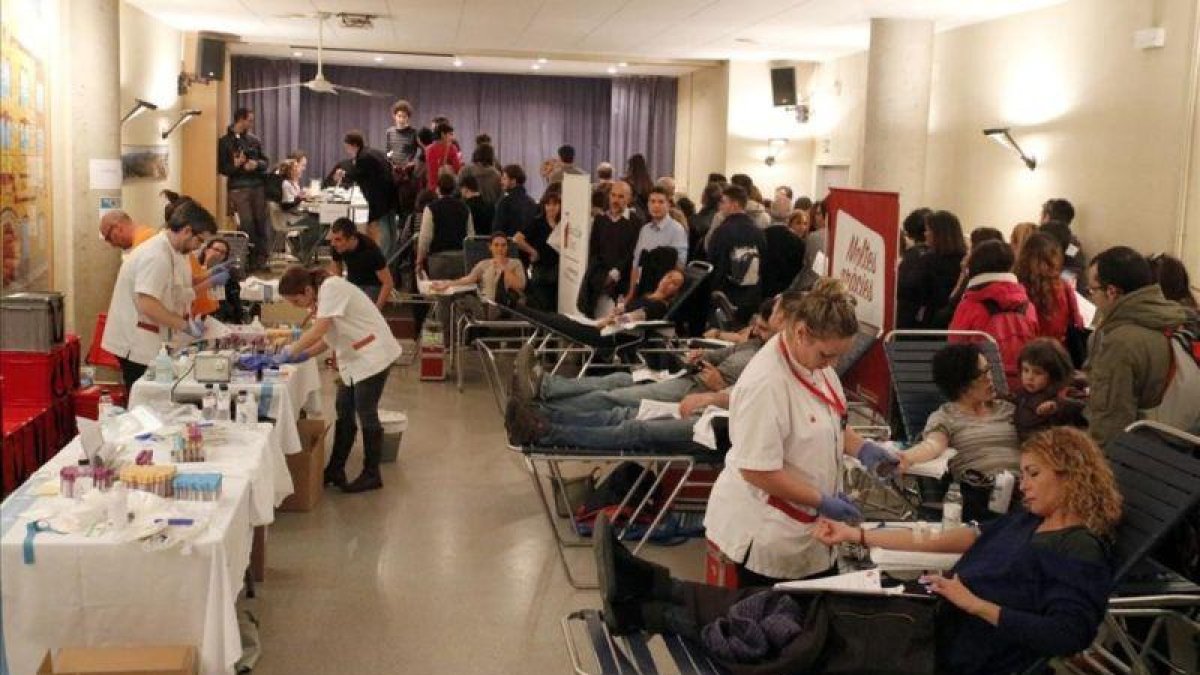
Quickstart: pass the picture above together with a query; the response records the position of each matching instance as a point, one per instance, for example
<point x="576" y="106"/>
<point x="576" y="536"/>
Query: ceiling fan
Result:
<point x="319" y="84"/>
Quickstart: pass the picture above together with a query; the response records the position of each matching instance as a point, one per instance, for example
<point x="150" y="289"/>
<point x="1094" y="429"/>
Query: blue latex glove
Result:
<point x="874" y="457"/>
<point x="839" y="507"/>
<point x="218" y="278"/>
<point x="219" y="267"/>
<point x="194" y="327"/>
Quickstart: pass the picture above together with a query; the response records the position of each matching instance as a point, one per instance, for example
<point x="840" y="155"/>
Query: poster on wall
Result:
<point x="576" y="231"/>
<point x="864" y="231"/>
<point x="144" y="162"/>
<point x="26" y="217"/>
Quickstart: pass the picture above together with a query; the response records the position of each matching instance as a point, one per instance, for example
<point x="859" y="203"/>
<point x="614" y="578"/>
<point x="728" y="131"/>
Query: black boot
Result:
<point x="343" y="439"/>
<point x="625" y="577"/>
<point x="369" y="479"/>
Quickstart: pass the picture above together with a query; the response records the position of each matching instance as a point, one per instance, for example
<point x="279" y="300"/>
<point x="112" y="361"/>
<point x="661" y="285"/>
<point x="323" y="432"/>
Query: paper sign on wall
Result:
<point x="858" y="260"/>
<point x="104" y="174"/>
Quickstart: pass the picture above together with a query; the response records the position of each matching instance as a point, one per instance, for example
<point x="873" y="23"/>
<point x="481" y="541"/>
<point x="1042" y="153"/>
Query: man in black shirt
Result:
<point x="361" y="259"/>
<point x="372" y="173"/>
<point x="516" y="209"/>
<point x="736" y="251"/>
<point x="483" y="214"/>
<point x="241" y="160"/>
<point x="610" y="250"/>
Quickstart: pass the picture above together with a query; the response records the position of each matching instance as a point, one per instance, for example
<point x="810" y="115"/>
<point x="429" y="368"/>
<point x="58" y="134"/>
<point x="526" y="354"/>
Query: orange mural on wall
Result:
<point x="26" y="214"/>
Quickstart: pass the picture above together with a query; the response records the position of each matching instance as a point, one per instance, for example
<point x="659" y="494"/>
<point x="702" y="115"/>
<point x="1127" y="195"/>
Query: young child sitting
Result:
<point x="1045" y="398"/>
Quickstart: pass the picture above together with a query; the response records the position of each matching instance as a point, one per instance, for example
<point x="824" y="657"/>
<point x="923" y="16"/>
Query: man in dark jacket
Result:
<point x="516" y="209"/>
<point x="610" y="249"/>
<point x="736" y="251"/>
<point x="241" y="160"/>
<point x="482" y="213"/>
<point x="372" y="173"/>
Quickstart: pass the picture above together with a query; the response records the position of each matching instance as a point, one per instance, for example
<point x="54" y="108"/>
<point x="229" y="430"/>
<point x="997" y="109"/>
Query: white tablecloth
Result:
<point x="282" y="401"/>
<point x="96" y="591"/>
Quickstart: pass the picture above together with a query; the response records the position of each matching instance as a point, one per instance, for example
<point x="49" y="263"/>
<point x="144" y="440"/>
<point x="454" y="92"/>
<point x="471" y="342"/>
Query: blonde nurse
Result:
<point x="789" y="435"/>
<point x="347" y="320"/>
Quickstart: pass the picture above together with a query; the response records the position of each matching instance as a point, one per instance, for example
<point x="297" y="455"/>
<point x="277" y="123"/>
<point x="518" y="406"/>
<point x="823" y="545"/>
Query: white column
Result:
<point x="899" y="69"/>
<point x="93" y="56"/>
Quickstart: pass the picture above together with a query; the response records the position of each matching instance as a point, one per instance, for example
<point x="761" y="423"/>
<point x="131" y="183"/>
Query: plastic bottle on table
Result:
<point x="208" y="404"/>
<point x="952" y="508"/>
<point x="164" y="368"/>
<point x="224" y="401"/>
<point x="104" y="409"/>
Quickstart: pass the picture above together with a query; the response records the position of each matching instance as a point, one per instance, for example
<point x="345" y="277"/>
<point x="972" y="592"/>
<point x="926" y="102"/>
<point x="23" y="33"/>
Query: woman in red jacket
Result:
<point x="1039" y="269"/>
<point x="996" y="303"/>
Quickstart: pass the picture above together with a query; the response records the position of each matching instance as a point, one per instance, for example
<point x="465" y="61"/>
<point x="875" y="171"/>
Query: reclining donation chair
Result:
<point x="1157" y="469"/>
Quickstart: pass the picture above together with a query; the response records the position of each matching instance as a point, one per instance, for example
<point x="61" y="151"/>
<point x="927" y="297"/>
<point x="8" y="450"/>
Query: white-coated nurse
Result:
<point x="347" y="320"/>
<point x="789" y="437"/>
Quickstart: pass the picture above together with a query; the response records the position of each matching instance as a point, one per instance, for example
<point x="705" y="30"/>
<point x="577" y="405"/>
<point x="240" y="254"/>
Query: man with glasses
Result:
<point x="118" y="230"/>
<point x="154" y="292"/>
<point x="1129" y="361"/>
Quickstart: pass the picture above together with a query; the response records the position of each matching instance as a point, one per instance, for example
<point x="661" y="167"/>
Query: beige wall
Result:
<point x="700" y="142"/>
<point x="752" y="120"/>
<point x="1108" y="122"/>
<point x="199" y="137"/>
<point x="150" y="62"/>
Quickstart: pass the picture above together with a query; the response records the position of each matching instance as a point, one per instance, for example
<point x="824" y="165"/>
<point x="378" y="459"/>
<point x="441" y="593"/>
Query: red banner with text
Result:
<point x="863" y="245"/>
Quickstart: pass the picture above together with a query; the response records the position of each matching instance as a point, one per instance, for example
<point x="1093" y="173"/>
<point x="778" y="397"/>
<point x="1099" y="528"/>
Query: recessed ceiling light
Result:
<point x="542" y="61"/>
<point x="378" y="59"/>
<point x="746" y="41"/>
<point x="622" y="65"/>
<point x="536" y="66"/>
<point x="612" y="70"/>
<point x="297" y="54"/>
<point x="457" y="62"/>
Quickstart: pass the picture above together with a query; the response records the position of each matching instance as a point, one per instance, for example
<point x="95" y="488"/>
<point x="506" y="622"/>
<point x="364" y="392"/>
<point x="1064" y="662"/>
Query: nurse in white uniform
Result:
<point x="349" y="322"/>
<point x="788" y="433"/>
<point x="153" y="293"/>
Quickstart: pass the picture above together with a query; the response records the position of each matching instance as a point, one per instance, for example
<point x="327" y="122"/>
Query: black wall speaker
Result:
<point x="210" y="59"/>
<point x="783" y="86"/>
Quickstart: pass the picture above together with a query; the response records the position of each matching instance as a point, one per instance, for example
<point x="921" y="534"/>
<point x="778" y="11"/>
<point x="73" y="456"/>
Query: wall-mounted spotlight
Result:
<point x="1002" y="136"/>
<point x="774" y="147"/>
<point x="184" y="117"/>
<point x="139" y="106"/>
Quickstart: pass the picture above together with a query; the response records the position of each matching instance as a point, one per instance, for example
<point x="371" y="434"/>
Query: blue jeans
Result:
<point x="628" y="396"/>
<point x="389" y="226"/>
<point x="619" y="428"/>
<point x="555" y="386"/>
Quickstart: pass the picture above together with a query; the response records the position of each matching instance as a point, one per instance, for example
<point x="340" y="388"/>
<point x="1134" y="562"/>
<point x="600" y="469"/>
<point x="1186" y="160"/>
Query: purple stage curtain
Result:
<point x="527" y="116"/>
<point x="643" y="120"/>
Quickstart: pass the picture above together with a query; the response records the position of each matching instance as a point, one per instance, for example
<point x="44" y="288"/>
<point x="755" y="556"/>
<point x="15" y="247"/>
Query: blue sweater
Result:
<point x="1051" y="603"/>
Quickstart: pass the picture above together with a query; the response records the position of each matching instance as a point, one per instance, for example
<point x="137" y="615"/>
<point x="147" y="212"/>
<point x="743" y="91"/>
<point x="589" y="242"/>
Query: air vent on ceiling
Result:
<point x="357" y="20"/>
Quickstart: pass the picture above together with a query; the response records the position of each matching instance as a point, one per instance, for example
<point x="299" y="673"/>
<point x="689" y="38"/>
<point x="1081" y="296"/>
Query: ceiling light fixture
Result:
<point x="542" y="61"/>
<point x="139" y="106"/>
<point x="184" y="117"/>
<point x="458" y="62"/>
<point x="612" y="70"/>
<point x="622" y="65"/>
<point x="378" y="59"/>
<point x="297" y="54"/>
<point x="536" y="66"/>
<point x="1002" y="136"/>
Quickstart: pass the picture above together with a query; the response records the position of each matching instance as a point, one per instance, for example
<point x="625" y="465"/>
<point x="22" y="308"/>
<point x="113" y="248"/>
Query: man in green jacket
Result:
<point x="1129" y="356"/>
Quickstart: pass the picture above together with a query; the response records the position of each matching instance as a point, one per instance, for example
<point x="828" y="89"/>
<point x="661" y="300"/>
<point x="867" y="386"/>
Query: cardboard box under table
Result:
<point x="98" y="591"/>
<point x="158" y="660"/>
<point x="307" y="467"/>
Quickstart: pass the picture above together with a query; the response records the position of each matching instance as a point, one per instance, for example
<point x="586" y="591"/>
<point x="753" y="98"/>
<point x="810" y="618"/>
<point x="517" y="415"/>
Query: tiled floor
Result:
<point x="448" y="569"/>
